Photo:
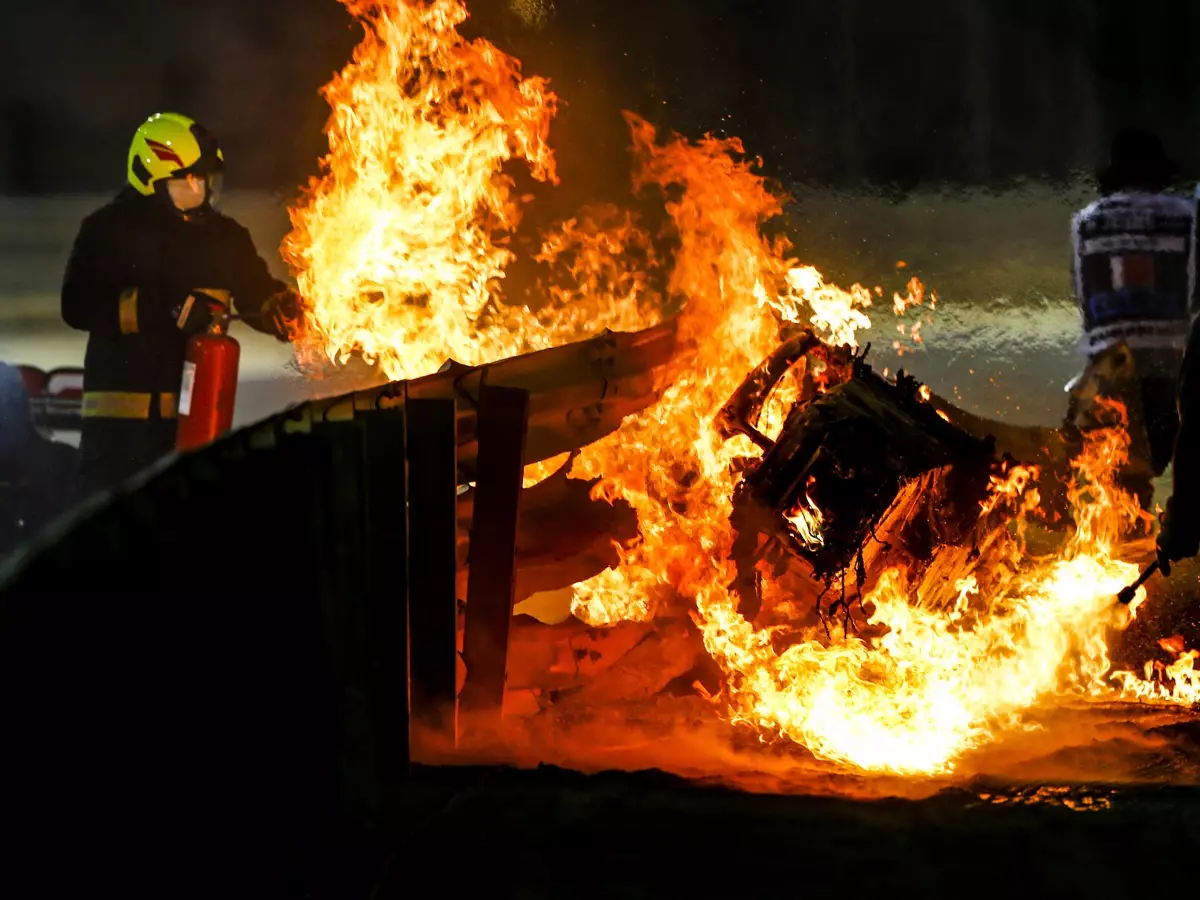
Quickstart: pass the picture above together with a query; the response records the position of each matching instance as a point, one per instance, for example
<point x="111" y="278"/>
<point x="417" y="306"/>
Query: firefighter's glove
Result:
<point x="198" y="312"/>
<point x="283" y="314"/>
<point x="1178" y="538"/>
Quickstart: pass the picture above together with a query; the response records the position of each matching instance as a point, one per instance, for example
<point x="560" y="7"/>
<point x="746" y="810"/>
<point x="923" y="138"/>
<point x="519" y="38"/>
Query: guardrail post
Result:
<point x="503" y="418"/>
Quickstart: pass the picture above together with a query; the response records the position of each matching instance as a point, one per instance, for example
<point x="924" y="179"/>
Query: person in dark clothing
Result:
<point x="147" y="271"/>
<point x="1179" y="536"/>
<point x="1134" y="265"/>
<point x="38" y="479"/>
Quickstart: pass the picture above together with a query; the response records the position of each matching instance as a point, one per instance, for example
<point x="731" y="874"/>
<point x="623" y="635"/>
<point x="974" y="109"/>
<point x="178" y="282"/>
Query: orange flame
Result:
<point x="669" y="463"/>
<point x="939" y="681"/>
<point x="1178" y="683"/>
<point x="400" y="246"/>
<point x="808" y="522"/>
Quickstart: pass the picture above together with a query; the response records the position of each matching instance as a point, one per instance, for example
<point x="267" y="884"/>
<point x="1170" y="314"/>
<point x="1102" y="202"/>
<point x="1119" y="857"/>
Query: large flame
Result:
<point x="401" y="248"/>
<point x="940" y="680"/>
<point x="673" y="467"/>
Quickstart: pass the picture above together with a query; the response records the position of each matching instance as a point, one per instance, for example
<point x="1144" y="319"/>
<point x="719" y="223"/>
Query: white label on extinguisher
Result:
<point x="185" y="390"/>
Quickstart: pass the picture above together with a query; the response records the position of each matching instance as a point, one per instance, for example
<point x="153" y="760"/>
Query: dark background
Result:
<point x="896" y="93"/>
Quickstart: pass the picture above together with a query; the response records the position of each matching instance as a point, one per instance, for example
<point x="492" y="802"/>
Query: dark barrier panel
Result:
<point x="342" y="574"/>
<point x="503" y="416"/>
<point x="387" y="586"/>
<point x="168" y="706"/>
<point x="432" y="498"/>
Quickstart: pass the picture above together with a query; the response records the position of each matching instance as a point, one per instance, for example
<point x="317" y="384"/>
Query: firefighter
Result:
<point x="1134" y="271"/>
<point x="37" y="475"/>
<point x="1179" y="536"/>
<point x="147" y="271"/>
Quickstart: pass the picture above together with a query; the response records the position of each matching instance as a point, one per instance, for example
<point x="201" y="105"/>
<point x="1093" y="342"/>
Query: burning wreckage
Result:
<point x="866" y="475"/>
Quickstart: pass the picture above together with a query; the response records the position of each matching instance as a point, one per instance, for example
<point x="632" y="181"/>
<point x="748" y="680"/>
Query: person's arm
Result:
<point x="1194" y="257"/>
<point x="1179" y="537"/>
<point x="257" y="294"/>
<point x="1186" y="476"/>
<point x="96" y="296"/>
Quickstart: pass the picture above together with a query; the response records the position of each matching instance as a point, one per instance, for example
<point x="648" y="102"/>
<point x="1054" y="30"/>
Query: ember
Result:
<point x="401" y="248"/>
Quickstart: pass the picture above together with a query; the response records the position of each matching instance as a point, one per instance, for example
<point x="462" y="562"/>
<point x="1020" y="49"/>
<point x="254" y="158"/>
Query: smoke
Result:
<point x="533" y="13"/>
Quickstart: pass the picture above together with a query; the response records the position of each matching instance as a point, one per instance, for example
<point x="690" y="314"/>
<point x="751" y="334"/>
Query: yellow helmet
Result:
<point x="168" y="145"/>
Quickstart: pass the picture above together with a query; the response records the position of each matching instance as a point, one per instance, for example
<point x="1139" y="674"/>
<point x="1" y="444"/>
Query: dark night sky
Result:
<point x="88" y="71"/>
<point x="898" y="92"/>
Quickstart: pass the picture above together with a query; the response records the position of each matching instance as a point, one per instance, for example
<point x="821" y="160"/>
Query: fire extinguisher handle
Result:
<point x="221" y="318"/>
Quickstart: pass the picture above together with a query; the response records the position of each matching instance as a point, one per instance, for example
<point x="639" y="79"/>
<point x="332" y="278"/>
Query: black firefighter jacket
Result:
<point x="1185" y="496"/>
<point x="133" y="264"/>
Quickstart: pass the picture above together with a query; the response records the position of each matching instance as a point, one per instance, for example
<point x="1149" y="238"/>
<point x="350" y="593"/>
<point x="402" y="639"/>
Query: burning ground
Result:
<point x="995" y="661"/>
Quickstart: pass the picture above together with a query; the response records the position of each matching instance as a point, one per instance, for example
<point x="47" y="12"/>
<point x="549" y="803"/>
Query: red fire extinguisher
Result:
<point x="209" y="389"/>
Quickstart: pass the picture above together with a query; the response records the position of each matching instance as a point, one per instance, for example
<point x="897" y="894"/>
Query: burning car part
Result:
<point x="842" y="461"/>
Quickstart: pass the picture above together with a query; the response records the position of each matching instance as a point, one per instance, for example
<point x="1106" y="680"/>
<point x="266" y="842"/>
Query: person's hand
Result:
<point x="283" y="313"/>
<point x="201" y="308"/>
<point x="1176" y="539"/>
